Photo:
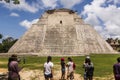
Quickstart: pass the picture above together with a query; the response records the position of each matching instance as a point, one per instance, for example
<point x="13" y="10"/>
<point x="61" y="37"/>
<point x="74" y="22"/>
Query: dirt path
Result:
<point x="38" y="75"/>
<point x="3" y="71"/>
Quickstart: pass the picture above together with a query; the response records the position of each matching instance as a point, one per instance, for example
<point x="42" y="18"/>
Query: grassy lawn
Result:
<point x="103" y="63"/>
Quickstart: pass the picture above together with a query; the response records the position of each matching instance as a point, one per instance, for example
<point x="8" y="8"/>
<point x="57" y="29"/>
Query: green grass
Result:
<point x="103" y="63"/>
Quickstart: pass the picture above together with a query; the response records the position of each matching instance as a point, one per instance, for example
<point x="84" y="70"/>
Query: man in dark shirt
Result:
<point x="116" y="69"/>
<point x="62" y="69"/>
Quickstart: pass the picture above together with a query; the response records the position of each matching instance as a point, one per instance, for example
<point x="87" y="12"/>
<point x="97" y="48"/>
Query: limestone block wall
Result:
<point x="61" y="33"/>
<point x="30" y="41"/>
<point x="89" y="41"/>
<point x="64" y="17"/>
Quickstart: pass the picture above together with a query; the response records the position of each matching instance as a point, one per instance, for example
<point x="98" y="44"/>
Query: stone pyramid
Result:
<point x="61" y="32"/>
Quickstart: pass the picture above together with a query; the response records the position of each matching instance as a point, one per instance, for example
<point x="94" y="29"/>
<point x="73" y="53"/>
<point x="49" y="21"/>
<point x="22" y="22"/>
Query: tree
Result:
<point x="119" y="42"/>
<point x="7" y="40"/>
<point x="109" y="40"/>
<point x="1" y="36"/>
<point x="6" y="44"/>
<point x="14" y="1"/>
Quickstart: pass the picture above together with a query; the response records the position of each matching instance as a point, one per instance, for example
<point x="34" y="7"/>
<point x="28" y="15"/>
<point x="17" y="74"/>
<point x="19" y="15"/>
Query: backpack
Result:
<point x="90" y="71"/>
<point x="74" y="66"/>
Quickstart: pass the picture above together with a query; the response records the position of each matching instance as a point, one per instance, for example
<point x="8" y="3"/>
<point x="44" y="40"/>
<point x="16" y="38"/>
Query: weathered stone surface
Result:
<point x="61" y="32"/>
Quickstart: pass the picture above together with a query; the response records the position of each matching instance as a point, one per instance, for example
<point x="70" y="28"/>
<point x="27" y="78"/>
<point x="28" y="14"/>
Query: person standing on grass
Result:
<point x="48" y="69"/>
<point x="70" y="72"/>
<point x="89" y="69"/>
<point x="63" y="69"/>
<point x="13" y="69"/>
<point x="116" y="69"/>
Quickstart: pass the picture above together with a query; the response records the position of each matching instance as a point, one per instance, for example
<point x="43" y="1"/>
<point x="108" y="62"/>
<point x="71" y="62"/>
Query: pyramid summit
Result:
<point x="61" y="32"/>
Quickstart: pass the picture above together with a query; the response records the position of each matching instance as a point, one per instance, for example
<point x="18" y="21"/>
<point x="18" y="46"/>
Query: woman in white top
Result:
<point x="48" y="66"/>
<point x="70" y="73"/>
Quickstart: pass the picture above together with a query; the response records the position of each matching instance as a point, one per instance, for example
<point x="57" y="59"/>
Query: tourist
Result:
<point x="63" y="69"/>
<point x="48" y="69"/>
<point x="116" y="69"/>
<point x="13" y="69"/>
<point x="89" y="69"/>
<point x="70" y="72"/>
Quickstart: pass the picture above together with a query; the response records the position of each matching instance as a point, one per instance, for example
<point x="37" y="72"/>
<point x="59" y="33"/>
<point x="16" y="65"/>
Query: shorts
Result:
<point x="63" y="71"/>
<point x="48" y="76"/>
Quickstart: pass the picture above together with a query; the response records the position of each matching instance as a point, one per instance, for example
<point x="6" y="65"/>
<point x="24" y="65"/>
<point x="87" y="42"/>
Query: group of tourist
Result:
<point x="48" y="69"/>
<point x="67" y="69"/>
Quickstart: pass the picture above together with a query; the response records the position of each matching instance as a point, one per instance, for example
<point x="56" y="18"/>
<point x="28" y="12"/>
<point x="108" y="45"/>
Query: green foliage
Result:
<point x="115" y="43"/>
<point x="7" y="44"/>
<point x="7" y="1"/>
<point x="14" y="1"/>
<point x="1" y="36"/>
<point x="119" y="41"/>
<point x="4" y="62"/>
<point x="103" y="63"/>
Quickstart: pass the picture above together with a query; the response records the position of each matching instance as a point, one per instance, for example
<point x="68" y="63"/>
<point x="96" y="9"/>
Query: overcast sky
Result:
<point x="103" y="15"/>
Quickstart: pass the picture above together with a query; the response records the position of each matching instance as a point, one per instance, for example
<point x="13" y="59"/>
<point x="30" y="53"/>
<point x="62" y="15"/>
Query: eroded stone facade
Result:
<point x="61" y="32"/>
